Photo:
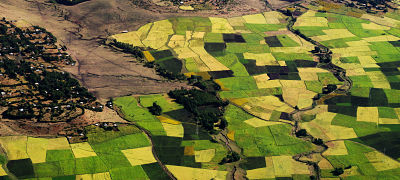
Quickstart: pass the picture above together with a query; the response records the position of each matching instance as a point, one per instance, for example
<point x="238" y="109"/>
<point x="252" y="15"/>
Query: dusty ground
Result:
<point x="104" y="72"/>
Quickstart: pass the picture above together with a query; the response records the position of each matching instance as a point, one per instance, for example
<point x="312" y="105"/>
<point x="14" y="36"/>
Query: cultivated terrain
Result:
<point x="236" y="90"/>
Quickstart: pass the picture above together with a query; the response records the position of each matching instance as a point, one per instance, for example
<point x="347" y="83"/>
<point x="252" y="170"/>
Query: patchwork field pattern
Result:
<point x="266" y="72"/>
<point x="106" y="155"/>
<point x="368" y="49"/>
<point x="182" y="145"/>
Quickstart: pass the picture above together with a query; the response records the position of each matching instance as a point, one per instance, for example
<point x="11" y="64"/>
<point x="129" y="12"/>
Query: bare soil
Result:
<point x="82" y="27"/>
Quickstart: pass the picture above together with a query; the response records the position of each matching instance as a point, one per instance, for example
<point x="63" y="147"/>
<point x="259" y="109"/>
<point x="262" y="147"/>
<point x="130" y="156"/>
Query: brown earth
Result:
<point x="103" y="71"/>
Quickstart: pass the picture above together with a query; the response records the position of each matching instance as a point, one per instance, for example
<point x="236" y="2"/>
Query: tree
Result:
<point x="232" y="157"/>
<point x="301" y="133"/>
<point x="337" y="171"/>
<point x="318" y="141"/>
<point x="329" y="88"/>
<point x="155" y="109"/>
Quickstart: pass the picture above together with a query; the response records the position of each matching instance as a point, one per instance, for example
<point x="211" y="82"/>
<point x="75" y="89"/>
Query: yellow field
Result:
<point x="139" y="156"/>
<point x="384" y="21"/>
<point x="378" y="79"/>
<point x="15" y="147"/>
<point x="188" y="173"/>
<point x="272" y="17"/>
<point x="255" y="122"/>
<point x="321" y="127"/>
<point x="168" y="120"/>
<point x="188" y="151"/>
<point x="349" y="51"/>
<point x="305" y="44"/>
<point x="382" y="38"/>
<point x="367" y="61"/>
<point x="58" y="143"/>
<point x="368" y="114"/>
<point x="355" y="72"/>
<point x="373" y="26"/>
<point x="305" y="99"/>
<point x="231" y="135"/>
<point x="82" y="150"/>
<point x="143" y="31"/>
<point x="186" y="8"/>
<point x="325" y="164"/>
<point x="236" y="21"/>
<point x="204" y="155"/>
<point x="299" y="49"/>
<point x="285" y="166"/>
<point x="158" y="35"/>
<point x="388" y="121"/>
<point x="358" y="43"/>
<point x="309" y="19"/>
<point x="336" y="148"/>
<point x="98" y="176"/>
<point x="198" y="35"/>
<point x="261" y="173"/>
<point x="333" y="34"/>
<point x="264" y="105"/>
<point x="308" y="76"/>
<point x="381" y="162"/>
<point x="296" y="94"/>
<point x="2" y="171"/>
<point x="130" y="37"/>
<point x="262" y="59"/>
<point x="263" y="81"/>
<point x="177" y="41"/>
<point x="197" y="46"/>
<point x="148" y="56"/>
<point x="255" y="19"/>
<point x="174" y="130"/>
<point x="239" y="102"/>
<point x="36" y="149"/>
<point x="220" y="25"/>
<point x="293" y="84"/>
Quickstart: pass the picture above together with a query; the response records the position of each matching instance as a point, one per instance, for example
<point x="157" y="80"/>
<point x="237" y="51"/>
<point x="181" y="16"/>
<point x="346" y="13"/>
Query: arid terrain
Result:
<point x="103" y="71"/>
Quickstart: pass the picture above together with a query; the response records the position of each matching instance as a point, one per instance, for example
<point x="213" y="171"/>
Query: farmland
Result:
<point x="276" y="95"/>
<point x="106" y="155"/>
<point x="268" y="74"/>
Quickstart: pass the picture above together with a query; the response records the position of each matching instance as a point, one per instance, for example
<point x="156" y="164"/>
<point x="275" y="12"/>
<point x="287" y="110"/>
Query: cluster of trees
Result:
<point x="3" y="29"/>
<point x="329" y="88"/>
<point x="207" y="85"/>
<point x="231" y="157"/>
<point x="206" y="107"/>
<point x="163" y="72"/>
<point x="9" y="44"/>
<point x="155" y="109"/>
<point x="52" y="85"/>
<point x="129" y="48"/>
<point x="69" y="2"/>
<point x="372" y="2"/>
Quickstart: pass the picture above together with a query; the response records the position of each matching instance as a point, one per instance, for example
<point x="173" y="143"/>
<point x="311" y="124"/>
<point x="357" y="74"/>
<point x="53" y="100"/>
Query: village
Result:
<point x="32" y="84"/>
